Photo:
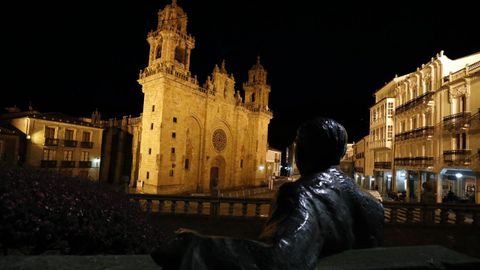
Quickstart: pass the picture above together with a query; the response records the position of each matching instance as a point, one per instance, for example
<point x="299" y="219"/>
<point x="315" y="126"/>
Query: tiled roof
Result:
<point x="51" y="116"/>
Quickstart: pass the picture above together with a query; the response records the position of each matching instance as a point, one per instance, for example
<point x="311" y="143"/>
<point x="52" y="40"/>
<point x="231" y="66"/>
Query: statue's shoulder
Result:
<point x="290" y="189"/>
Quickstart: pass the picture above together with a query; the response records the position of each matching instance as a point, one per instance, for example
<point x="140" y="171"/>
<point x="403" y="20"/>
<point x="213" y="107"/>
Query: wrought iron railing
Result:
<point x="423" y="132"/>
<point x="84" y="164"/>
<point x="70" y="143"/>
<point x="48" y="163"/>
<point x="86" y="144"/>
<point x="423" y="99"/>
<point x="414" y="161"/>
<point x="382" y="165"/>
<point x="458" y="156"/>
<point x="457" y="119"/>
<point x="51" y="142"/>
<point x="67" y="164"/>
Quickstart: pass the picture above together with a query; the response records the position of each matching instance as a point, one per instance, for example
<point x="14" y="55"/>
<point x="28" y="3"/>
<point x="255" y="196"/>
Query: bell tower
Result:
<point x="256" y="88"/>
<point x="170" y="44"/>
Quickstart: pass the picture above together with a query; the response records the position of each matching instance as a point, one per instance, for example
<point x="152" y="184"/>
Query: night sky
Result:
<point x="322" y="57"/>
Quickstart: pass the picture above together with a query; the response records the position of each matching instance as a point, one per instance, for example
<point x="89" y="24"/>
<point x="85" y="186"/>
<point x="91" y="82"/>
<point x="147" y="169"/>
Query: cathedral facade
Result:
<point x="198" y="137"/>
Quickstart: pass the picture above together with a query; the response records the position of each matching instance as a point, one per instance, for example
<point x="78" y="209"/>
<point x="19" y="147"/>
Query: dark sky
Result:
<point x="323" y="57"/>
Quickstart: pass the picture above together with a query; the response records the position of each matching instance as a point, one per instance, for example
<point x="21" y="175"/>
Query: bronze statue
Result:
<point x="320" y="214"/>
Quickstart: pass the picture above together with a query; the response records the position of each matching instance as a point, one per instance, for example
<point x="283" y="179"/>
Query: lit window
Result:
<point x="85" y="156"/>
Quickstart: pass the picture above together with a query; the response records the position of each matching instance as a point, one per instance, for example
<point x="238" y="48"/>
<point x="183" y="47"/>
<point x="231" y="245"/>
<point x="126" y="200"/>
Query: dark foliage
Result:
<point x="46" y="212"/>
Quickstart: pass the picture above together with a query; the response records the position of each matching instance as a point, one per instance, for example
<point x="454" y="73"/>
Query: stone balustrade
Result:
<point x="395" y="212"/>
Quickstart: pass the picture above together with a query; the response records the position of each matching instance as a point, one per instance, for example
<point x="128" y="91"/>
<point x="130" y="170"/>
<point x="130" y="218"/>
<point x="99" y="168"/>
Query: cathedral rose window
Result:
<point x="219" y="140"/>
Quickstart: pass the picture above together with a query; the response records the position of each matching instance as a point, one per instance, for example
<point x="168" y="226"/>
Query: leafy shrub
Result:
<point x="47" y="212"/>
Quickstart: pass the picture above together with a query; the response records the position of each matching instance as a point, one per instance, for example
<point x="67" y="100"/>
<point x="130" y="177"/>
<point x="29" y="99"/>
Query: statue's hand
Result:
<point x="170" y="255"/>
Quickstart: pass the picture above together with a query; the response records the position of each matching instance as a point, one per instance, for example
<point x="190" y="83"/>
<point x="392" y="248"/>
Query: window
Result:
<point x="428" y="119"/>
<point x="86" y="136"/>
<point x="463" y="104"/>
<point x="173" y="150"/>
<point x="241" y="163"/>
<point x="180" y="55"/>
<point x="48" y="154"/>
<point x="85" y="156"/>
<point x="68" y="155"/>
<point x="461" y="139"/>
<point x="414" y="122"/>
<point x="69" y="134"/>
<point x="151" y="126"/>
<point x="153" y="108"/>
<point x="390" y="110"/>
<point x="186" y="165"/>
<point x="253" y="97"/>
<point x="174" y="135"/>
<point x="148" y="175"/>
<point x="49" y="132"/>
<point x="170" y="173"/>
<point x="403" y="126"/>
<point x="149" y="151"/>
<point x="158" y="53"/>
<point x="174" y="119"/>
<point x="428" y="85"/>
<point x="389" y="132"/>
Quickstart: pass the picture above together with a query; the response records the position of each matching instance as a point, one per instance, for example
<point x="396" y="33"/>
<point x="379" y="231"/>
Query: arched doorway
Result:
<point x="217" y="175"/>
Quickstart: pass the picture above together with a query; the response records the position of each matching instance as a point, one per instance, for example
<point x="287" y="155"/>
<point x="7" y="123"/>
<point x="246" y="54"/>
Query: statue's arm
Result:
<point x="291" y="239"/>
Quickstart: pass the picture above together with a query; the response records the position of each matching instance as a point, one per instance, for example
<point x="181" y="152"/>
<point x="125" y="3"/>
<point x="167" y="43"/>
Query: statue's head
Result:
<point x="320" y="143"/>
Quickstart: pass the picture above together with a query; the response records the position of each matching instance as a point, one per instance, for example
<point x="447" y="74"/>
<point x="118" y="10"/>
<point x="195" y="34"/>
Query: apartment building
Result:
<point x="59" y="142"/>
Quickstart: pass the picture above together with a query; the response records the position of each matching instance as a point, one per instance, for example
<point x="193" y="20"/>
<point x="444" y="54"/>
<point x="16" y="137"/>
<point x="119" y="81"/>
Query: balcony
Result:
<point x="457" y="157"/>
<point x="381" y="144"/>
<point x="48" y="163"/>
<point x="84" y="164"/>
<point x="458" y="120"/>
<point x="414" y="161"/>
<point x="423" y="132"/>
<point x="423" y="99"/>
<point x="383" y="165"/>
<point x="70" y="143"/>
<point x="51" y="142"/>
<point x="86" y="144"/>
<point x="67" y="164"/>
<point x="359" y="169"/>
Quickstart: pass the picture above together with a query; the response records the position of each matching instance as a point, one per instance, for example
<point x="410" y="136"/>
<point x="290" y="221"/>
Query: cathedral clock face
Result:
<point x="219" y="140"/>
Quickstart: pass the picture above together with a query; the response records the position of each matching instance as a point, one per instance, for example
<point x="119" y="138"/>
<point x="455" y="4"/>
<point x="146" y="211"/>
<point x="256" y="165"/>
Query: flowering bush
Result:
<point x="47" y="212"/>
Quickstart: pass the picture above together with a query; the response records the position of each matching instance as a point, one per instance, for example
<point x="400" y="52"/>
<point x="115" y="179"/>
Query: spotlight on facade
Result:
<point x="28" y="137"/>
<point x="458" y="175"/>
